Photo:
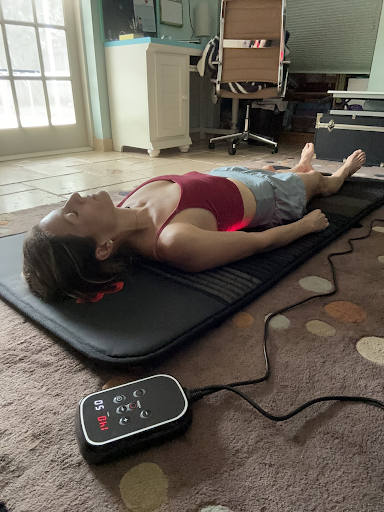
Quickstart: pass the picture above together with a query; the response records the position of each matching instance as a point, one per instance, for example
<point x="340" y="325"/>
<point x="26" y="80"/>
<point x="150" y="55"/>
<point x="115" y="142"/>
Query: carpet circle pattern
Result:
<point x="320" y="328"/>
<point x="279" y="322"/>
<point x="116" y="381"/>
<point x="372" y="348"/>
<point x="346" y="312"/>
<point x="243" y="319"/>
<point x="144" y="488"/>
<point x="316" y="284"/>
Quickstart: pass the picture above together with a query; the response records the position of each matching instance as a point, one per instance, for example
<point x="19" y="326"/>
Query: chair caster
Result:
<point x="232" y="151"/>
<point x="275" y="150"/>
<point x="211" y="145"/>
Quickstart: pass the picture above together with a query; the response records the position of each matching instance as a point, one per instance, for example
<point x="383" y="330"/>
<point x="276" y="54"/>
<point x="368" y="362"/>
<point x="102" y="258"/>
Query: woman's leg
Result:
<point x="317" y="184"/>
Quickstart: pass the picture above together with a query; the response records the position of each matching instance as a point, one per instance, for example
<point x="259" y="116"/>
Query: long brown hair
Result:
<point x="56" y="267"/>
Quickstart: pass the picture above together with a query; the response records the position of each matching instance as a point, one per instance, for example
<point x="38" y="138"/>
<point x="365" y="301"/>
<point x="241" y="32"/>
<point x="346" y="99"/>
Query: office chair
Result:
<point x="251" y="49"/>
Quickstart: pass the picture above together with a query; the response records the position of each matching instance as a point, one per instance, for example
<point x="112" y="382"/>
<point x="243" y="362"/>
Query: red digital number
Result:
<point x="102" y="422"/>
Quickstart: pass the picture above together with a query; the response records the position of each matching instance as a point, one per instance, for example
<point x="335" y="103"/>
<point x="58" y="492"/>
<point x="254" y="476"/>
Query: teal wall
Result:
<point x="185" y="32"/>
<point x="376" y="79"/>
<point x="96" y="72"/>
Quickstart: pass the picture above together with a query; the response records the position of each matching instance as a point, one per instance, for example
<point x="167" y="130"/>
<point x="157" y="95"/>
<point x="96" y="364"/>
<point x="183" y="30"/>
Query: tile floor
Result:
<point x="48" y="180"/>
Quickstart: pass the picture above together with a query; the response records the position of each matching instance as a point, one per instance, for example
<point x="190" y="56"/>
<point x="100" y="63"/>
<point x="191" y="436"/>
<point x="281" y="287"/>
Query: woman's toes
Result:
<point x="308" y="151"/>
<point x="360" y="155"/>
<point x="355" y="161"/>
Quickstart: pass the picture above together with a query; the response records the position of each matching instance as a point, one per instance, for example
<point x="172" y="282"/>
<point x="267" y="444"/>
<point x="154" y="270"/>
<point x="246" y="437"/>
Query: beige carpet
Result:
<point x="232" y="459"/>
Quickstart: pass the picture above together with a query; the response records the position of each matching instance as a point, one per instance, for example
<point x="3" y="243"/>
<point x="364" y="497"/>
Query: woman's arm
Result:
<point x="192" y="249"/>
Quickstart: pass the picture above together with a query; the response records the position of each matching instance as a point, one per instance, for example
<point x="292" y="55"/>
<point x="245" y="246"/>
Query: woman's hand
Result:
<point x="316" y="221"/>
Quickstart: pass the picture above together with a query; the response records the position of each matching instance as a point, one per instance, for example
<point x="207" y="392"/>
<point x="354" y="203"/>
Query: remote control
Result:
<point x="125" y="419"/>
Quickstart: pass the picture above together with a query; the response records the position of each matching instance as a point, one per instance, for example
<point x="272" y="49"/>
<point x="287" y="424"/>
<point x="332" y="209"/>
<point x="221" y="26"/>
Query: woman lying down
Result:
<point x="193" y="221"/>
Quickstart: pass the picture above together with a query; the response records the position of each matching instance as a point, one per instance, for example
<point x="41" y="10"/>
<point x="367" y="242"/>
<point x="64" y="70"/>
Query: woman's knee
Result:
<point x="314" y="183"/>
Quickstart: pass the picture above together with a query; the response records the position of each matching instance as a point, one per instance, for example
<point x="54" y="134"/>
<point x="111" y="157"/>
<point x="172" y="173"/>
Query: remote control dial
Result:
<point x="122" y="409"/>
<point x="125" y="420"/>
<point x="119" y="398"/>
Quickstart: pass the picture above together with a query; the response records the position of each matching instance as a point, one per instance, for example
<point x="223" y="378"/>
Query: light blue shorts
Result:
<point x="280" y="197"/>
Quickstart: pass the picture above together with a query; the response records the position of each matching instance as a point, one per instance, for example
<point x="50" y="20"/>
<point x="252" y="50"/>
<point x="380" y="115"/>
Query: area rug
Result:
<point x="232" y="459"/>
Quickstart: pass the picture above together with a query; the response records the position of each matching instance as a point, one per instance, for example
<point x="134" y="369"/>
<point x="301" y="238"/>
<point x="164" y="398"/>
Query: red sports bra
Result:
<point x="213" y="193"/>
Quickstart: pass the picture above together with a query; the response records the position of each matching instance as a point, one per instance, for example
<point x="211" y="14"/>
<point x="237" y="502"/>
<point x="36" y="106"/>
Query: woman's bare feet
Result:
<point x="332" y="184"/>
<point x="354" y="162"/>
<point x="351" y="165"/>
<point x="305" y="164"/>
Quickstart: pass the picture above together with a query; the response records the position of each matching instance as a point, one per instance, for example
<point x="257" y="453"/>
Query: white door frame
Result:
<point x="31" y="137"/>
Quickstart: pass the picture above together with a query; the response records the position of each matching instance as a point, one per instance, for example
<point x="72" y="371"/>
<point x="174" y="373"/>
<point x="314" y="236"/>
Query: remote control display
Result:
<point x="135" y="407"/>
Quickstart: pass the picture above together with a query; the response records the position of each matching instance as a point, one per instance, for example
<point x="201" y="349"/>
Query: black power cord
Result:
<point x="196" y="394"/>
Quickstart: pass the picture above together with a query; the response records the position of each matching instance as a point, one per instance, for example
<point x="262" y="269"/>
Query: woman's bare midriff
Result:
<point x="249" y="200"/>
<point x="160" y="198"/>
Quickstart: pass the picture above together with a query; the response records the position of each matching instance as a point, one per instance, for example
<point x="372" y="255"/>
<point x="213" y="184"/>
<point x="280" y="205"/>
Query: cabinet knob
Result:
<point x="184" y="97"/>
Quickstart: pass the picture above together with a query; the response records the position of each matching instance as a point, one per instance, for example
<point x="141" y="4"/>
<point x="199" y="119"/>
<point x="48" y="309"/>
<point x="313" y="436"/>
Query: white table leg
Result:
<point x="184" y="149"/>
<point x="154" y="152"/>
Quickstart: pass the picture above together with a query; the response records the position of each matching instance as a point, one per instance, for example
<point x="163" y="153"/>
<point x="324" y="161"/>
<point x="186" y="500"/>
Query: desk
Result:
<point x="148" y="90"/>
<point x="347" y="96"/>
<point x="361" y="95"/>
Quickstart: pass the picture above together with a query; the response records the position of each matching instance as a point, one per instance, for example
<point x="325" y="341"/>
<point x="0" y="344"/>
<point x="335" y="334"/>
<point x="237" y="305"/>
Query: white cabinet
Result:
<point x="148" y="89"/>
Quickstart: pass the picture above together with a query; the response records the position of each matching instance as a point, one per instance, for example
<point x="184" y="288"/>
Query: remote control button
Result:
<point x="122" y="409"/>
<point x="145" y="414"/>
<point x="139" y="392"/>
<point x="132" y="405"/>
<point x="119" y="398"/>
<point x="125" y="420"/>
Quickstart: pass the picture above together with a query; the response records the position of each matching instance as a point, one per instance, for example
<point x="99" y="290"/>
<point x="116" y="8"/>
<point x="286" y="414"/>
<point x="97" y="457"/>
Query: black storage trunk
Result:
<point x="338" y="135"/>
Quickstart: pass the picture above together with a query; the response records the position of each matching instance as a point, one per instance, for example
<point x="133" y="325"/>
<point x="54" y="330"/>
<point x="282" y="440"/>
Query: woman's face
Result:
<point x="90" y="216"/>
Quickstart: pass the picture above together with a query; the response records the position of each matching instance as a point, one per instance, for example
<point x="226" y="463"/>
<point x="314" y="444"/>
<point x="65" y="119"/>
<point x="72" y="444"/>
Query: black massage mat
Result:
<point x="161" y="308"/>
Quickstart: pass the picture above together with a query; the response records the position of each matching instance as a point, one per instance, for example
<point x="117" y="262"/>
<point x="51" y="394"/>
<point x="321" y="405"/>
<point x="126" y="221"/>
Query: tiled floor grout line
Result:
<point x="85" y="162"/>
<point x="61" y="196"/>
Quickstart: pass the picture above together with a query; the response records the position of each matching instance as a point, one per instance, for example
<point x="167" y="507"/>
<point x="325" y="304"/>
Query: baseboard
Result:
<point x="102" y="144"/>
<point x="44" y="153"/>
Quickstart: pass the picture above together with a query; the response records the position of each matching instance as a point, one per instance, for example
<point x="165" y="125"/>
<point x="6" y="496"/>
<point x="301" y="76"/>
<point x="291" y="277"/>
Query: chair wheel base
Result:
<point x="211" y="145"/>
<point x="232" y="151"/>
<point x="275" y="150"/>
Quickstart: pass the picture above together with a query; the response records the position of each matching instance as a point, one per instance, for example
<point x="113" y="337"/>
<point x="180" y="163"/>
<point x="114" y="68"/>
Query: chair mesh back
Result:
<point x="252" y="19"/>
